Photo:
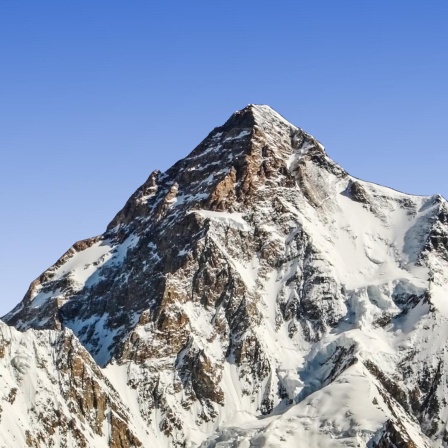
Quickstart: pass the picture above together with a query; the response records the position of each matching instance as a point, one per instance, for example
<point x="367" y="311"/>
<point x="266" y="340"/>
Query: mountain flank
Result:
<point x="253" y="295"/>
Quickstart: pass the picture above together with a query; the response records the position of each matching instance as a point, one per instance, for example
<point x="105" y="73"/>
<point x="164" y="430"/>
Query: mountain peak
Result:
<point x="255" y="149"/>
<point x="265" y="113"/>
<point x="254" y="277"/>
<point x="256" y="115"/>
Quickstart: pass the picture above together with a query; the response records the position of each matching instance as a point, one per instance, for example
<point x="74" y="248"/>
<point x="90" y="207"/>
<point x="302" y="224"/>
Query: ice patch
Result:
<point x="235" y="220"/>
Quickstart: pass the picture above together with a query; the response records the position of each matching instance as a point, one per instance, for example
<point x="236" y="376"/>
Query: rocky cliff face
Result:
<point x="54" y="394"/>
<point x="255" y="294"/>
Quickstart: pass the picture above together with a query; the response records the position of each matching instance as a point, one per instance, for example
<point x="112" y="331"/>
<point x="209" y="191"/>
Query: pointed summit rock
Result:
<point x="257" y="278"/>
<point x="252" y="149"/>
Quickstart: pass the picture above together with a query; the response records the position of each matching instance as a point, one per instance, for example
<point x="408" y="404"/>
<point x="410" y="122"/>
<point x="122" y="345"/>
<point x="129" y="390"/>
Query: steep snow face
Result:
<point x="256" y="294"/>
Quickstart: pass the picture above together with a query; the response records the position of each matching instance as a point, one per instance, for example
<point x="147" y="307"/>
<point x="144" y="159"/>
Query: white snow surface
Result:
<point x="83" y="268"/>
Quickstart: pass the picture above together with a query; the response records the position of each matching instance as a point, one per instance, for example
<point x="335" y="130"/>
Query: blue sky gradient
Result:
<point x="96" y="95"/>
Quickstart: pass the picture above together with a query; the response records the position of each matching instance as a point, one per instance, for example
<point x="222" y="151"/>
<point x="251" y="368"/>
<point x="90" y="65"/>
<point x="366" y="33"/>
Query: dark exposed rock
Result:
<point x="391" y="386"/>
<point x="394" y="435"/>
<point x="357" y="192"/>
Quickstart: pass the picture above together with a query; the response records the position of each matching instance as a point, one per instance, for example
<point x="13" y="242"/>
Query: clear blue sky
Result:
<point x="94" y="95"/>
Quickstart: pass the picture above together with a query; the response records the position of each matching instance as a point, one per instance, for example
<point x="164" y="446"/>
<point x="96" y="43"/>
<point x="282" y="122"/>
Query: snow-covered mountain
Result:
<point x="255" y="294"/>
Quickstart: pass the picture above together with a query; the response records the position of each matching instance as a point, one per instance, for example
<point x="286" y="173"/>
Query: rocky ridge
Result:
<point x="254" y="294"/>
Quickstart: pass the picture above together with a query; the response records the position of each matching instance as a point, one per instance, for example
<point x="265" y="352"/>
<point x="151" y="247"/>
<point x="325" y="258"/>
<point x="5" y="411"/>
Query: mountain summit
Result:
<point x="254" y="294"/>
